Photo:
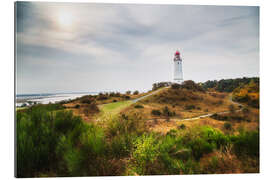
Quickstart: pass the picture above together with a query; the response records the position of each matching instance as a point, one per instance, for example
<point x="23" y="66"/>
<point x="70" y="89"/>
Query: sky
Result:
<point x="88" y="47"/>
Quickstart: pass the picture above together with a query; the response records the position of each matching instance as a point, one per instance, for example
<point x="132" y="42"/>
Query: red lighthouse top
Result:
<point x="177" y="53"/>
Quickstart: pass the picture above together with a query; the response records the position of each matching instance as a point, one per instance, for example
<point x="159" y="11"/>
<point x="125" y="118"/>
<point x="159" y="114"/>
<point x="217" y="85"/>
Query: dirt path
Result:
<point x="112" y="109"/>
<point x="210" y="114"/>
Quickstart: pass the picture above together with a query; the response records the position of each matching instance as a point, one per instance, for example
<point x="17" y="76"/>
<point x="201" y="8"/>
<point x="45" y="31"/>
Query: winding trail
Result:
<point x="150" y="94"/>
<point x="111" y="109"/>
<point x="210" y="114"/>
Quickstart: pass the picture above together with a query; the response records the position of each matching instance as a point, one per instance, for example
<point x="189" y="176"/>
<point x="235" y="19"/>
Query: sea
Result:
<point x="28" y="99"/>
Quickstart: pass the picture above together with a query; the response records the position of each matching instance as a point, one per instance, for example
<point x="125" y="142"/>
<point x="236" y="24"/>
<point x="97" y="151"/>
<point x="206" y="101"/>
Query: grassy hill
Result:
<point x="111" y="135"/>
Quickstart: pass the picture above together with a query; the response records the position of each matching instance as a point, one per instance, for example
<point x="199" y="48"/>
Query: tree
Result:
<point x="136" y="92"/>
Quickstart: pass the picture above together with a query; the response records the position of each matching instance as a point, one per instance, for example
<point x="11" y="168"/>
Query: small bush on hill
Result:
<point x="77" y="106"/>
<point x="246" y="143"/>
<point x="231" y="108"/>
<point x="145" y="154"/>
<point x="127" y="97"/>
<point x="189" y="107"/>
<point x="156" y="112"/>
<point x="136" y="92"/>
<point x="176" y="86"/>
<point x="227" y="126"/>
<point x="86" y="101"/>
<point x="182" y="126"/>
<point x="138" y="106"/>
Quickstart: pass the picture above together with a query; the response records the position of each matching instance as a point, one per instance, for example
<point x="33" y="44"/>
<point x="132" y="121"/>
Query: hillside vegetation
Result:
<point x="248" y="94"/>
<point x="228" y="85"/>
<point x="182" y="101"/>
<point x="149" y="137"/>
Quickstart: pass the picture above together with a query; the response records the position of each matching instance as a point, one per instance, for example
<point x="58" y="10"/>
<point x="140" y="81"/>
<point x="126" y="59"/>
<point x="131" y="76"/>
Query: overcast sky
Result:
<point x="71" y="47"/>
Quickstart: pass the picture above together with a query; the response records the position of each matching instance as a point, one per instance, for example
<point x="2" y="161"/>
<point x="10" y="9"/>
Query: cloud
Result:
<point x="120" y="46"/>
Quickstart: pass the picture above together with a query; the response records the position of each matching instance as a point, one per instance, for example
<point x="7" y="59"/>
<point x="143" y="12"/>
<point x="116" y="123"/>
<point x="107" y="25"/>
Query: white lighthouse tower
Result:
<point x="178" y="73"/>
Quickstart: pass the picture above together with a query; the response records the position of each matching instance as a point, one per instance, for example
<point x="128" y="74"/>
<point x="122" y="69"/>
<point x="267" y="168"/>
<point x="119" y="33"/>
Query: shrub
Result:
<point x="227" y="126"/>
<point x="166" y="112"/>
<point x="125" y="125"/>
<point x="114" y="100"/>
<point x="39" y="131"/>
<point x="219" y="117"/>
<point x="176" y="86"/>
<point x="231" y="108"/>
<point x="156" y="112"/>
<point x="189" y="107"/>
<point x="138" y="106"/>
<point x="182" y="126"/>
<point x="136" y="92"/>
<point x="246" y="143"/>
<point x="85" y="101"/>
<point x="121" y="144"/>
<point x="246" y="110"/>
<point x="77" y="106"/>
<point x="127" y="97"/>
<point x="200" y="146"/>
<point x="145" y="153"/>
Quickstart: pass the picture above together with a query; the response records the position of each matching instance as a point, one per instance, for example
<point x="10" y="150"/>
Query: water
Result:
<point x="47" y="98"/>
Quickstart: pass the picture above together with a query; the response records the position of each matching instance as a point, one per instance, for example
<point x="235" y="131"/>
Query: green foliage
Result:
<point x="227" y="126"/>
<point x="246" y="143"/>
<point x="38" y="131"/>
<point x="52" y="140"/>
<point x="136" y="92"/>
<point x="191" y="85"/>
<point x="200" y="146"/>
<point x="138" y="106"/>
<point x="77" y="106"/>
<point x="228" y="85"/>
<point x="182" y="126"/>
<point x="156" y="112"/>
<point x="231" y="108"/>
<point x="176" y="86"/>
<point x="145" y="153"/>
<point x="160" y="85"/>
<point x="125" y="125"/>
<point x="189" y="107"/>
<point x="166" y="112"/>
<point x="86" y="101"/>
<point x="121" y="144"/>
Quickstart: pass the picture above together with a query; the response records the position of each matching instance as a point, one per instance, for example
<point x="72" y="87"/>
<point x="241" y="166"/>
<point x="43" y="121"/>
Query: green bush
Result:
<point x="77" y="106"/>
<point x="189" y="107"/>
<point x="200" y="147"/>
<point x="166" y="112"/>
<point x="136" y="92"/>
<point x="145" y="153"/>
<point x="156" y="112"/>
<point x="38" y="131"/>
<point x="246" y="143"/>
<point x="86" y="101"/>
<point x="227" y="126"/>
<point x="121" y="145"/>
<point x="138" y="106"/>
<point x="182" y="126"/>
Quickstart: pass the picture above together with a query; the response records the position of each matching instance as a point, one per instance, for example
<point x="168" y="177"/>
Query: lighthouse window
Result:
<point x="178" y="62"/>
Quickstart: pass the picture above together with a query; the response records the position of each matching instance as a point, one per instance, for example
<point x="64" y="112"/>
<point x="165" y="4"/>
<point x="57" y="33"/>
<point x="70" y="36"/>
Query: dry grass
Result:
<point x="220" y="162"/>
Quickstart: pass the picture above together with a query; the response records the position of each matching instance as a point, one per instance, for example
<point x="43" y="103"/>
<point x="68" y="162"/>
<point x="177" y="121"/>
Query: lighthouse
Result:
<point x="178" y="73"/>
